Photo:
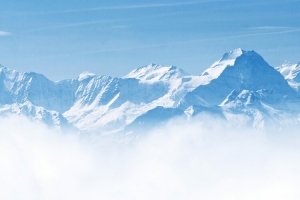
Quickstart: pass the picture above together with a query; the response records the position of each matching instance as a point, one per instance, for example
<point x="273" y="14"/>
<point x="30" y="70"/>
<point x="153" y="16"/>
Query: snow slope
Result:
<point x="291" y="73"/>
<point x="52" y="119"/>
<point x="110" y="104"/>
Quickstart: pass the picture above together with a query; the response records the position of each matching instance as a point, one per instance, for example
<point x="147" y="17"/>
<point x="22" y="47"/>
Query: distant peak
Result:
<point x="5" y="69"/>
<point x="156" y="72"/>
<point x="237" y="50"/>
<point x="233" y="54"/>
<point x="85" y="75"/>
<point x="228" y="60"/>
<point x="2" y="67"/>
<point x="151" y="66"/>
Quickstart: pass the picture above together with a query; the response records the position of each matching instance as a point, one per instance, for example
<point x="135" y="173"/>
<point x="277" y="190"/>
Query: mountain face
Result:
<point x="109" y="104"/>
<point x="18" y="87"/>
<point x="241" y="85"/>
<point x="53" y="119"/>
<point x="238" y="70"/>
<point x="291" y="72"/>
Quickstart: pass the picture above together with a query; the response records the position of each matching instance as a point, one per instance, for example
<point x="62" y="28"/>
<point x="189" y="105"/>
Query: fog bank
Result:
<point x="199" y="159"/>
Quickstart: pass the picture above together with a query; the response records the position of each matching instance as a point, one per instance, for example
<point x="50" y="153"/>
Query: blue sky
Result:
<point x="61" y="39"/>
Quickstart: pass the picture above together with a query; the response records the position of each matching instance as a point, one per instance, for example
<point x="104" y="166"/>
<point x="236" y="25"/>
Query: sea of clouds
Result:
<point x="204" y="158"/>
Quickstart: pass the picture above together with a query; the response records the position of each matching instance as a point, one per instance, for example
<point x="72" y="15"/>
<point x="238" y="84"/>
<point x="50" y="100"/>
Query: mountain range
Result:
<point x="241" y="87"/>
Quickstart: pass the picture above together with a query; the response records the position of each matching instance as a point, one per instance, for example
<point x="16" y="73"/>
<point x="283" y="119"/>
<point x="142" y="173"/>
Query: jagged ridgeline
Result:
<point x="241" y="87"/>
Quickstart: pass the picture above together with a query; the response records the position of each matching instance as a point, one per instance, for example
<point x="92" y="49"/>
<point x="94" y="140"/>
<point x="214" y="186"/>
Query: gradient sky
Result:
<point x="62" y="38"/>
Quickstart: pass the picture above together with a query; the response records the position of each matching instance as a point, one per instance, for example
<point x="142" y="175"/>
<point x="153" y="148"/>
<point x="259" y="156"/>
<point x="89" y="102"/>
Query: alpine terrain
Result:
<point x="241" y="87"/>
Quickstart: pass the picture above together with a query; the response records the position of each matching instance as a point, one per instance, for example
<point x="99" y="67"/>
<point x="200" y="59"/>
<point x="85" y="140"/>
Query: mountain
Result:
<point x="52" y="119"/>
<point x="240" y="87"/>
<point x="16" y="87"/>
<point x="109" y="104"/>
<point x="291" y="72"/>
<point x="237" y="70"/>
<point x="156" y="73"/>
<point x="249" y="107"/>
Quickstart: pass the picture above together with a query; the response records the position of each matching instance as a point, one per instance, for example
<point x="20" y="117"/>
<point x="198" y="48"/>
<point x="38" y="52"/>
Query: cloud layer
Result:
<point x="202" y="159"/>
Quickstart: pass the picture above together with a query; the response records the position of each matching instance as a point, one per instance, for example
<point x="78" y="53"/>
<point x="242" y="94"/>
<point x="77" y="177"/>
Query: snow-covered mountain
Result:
<point x="241" y="85"/>
<point x="110" y="104"/>
<point x="291" y="73"/>
<point x="53" y="119"/>
<point x="238" y="70"/>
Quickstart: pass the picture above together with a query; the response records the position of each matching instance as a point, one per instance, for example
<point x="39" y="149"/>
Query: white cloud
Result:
<point x="75" y="24"/>
<point x="155" y="5"/>
<point x="269" y="27"/>
<point x="123" y="7"/>
<point x="202" y="159"/>
<point x="4" y="33"/>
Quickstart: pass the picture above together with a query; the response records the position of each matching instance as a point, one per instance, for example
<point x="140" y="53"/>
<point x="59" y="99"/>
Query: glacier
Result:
<point x="241" y="87"/>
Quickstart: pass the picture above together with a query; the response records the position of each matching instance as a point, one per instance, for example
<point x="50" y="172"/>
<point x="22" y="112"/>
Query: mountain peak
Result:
<point x="218" y="67"/>
<point x="85" y="75"/>
<point x="240" y="70"/>
<point x="233" y="54"/>
<point x="153" y="72"/>
<point x="8" y="73"/>
<point x="241" y="82"/>
<point x="3" y="68"/>
<point x="291" y="72"/>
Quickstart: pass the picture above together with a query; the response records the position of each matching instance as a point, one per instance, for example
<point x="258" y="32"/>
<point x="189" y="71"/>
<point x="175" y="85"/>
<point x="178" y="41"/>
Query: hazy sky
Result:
<point x="64" y="38"/>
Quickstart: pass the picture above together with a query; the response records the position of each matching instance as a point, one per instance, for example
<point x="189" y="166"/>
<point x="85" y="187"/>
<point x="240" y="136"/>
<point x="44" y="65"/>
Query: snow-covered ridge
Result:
<point x="218" y="67"/>
<point x="291" y="72"/>
<point x="241" y="83"/>
<point x="153" y="72"/>
<point x="52" y="118"/>
<point x="85" y="75"/>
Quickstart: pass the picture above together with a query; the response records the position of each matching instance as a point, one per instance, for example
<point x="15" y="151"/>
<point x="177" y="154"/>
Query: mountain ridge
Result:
<point x="240" y="83"/>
